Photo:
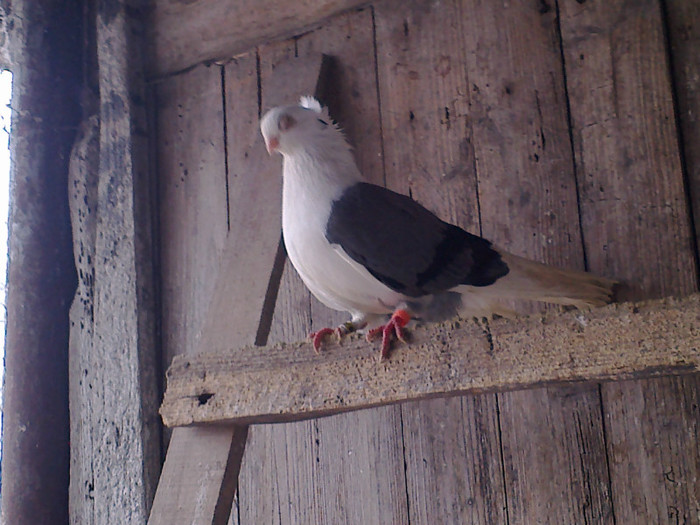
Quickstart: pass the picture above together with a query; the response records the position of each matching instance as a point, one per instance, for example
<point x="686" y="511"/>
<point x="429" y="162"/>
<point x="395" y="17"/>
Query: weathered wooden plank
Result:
<point x="222" y="29"/>
<point x="527" y="201"/>
<point x="683" y="18"/>
<point x="626" y="148"/>
<point x="452" y="446"/>
<point x="636" y="226"/>
<point x="348" y="468"/>
<point x="193" y="228"/>
<point x="193" y="204"/>
<point x="200" y="476"/>
<point x="454" y="470"/>
<point x="115" y="447"/>
<point x="289" y="381"/>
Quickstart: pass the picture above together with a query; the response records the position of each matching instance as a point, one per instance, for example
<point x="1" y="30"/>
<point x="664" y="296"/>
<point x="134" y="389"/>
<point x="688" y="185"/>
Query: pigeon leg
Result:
<point x="394" y="327"/>
<point x="342" y="330"/>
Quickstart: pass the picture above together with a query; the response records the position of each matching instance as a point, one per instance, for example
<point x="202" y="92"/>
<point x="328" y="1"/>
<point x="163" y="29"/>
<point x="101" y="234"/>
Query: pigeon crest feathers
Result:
<point x="310" y="103"/>
<point x="313" y="104"/>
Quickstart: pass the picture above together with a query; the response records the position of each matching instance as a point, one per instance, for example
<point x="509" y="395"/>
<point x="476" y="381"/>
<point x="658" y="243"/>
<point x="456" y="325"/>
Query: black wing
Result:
<point x="407" y="247"/>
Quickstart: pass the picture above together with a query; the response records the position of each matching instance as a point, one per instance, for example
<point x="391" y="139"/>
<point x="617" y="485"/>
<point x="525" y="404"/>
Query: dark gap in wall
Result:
<point x="225" y="131"/>
<point x="607" y="457"/>
<point x="379" y="94"/>
<point x="502" y="454"/>
<point x="687" y="189"/>
<point x="570" y="127"/>
<point x="405" y="465"/>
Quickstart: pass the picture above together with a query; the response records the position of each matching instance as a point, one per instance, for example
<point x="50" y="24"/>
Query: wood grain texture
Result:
<point x="115" y="447"/>
<point x="626" y="148"/>
<point x="517" y="144"/>
<point x="193" y="208"/>
<point x="683" y="19"/>
<point x="222" y="29"/>
<point x="348" y="468"/>
<point x="200" y="474"/>
<point x="193" y="228"/>
<point x="289" y="381"/>
<point x="451" y="446"/>
<point x="636" y="226"/>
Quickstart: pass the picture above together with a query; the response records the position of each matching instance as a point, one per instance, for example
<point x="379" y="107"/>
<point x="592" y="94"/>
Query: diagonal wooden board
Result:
<point x="200" y="473"/>
<point x="288" y="381"/>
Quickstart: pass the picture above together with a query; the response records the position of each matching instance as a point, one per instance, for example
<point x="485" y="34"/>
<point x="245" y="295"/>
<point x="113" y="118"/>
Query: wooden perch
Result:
<point x="289" y="381"/>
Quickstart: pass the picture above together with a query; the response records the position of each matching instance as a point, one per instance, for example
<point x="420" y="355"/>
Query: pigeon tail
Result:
<point x="530" y="280"/>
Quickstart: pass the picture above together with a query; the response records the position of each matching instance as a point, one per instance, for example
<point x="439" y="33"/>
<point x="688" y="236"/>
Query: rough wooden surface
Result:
<point x="499" y="158"/>
<point x="193" y="204"/>
<point x="527" y="197"/>
<point x="636" y="226"/>
<point x="683" y="19"/>
<point x="224" y="29"/>
<point x="475" y="128"/>
<point x="289" y="381"/>
<point x="451" y="445"/>
<point x="200" y="475"/>
<point x="115" y="432"/>
<point x="192" y="183"/>
<point x="348" y="467"/>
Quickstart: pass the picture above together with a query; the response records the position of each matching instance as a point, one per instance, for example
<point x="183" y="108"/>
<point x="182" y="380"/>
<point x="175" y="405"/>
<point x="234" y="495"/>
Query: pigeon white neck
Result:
<point x="324" y="165"/>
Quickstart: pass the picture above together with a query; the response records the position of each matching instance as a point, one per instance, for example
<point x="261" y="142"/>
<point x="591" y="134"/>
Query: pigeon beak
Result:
<point x="272" y="145"/>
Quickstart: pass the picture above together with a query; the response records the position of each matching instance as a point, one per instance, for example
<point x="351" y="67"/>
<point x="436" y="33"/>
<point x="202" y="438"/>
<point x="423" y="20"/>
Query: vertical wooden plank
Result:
<point x="193" y="228"/>
<point x="517" y="143"/>
<point x="193" y="208"/>
<point x="527" y="195"/>
<point x="347" y="468"/>
<point x="683" y="19"/>
<point x="200" y="474"/>
<point x="636" y="226"/>
<point x="554" y="452"/>
<point x="626" y="147"/>
<point x="452" y="446"/>
<point x="115" y="386"/>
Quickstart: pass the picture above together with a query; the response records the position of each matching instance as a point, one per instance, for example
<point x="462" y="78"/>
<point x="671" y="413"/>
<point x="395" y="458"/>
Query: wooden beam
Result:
<point x="288" y="381"/>
<point x="225" y="28"/>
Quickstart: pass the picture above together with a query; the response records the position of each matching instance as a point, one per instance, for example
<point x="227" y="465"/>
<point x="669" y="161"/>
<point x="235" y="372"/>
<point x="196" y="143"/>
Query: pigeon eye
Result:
<point x="286" y="122"/>
<point x="323" y="122"/>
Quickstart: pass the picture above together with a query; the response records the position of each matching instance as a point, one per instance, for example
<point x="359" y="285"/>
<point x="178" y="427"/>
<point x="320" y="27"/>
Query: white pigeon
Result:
<point x="367" y="250"/>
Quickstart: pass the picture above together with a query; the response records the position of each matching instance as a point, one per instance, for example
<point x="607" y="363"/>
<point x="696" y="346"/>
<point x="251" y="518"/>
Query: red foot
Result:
<point x="318" y="337"/>
<point x="394" y="327"/>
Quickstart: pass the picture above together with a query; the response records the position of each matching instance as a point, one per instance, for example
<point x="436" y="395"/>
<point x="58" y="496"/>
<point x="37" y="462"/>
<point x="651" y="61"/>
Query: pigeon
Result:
<point x="380" y="255"/>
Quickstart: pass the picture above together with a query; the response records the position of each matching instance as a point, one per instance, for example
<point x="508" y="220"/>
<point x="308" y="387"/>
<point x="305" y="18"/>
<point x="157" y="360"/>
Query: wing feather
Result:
<point x="407" y="247"/>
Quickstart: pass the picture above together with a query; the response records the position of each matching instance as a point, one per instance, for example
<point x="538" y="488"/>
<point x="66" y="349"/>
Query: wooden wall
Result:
<point x="551" y="129"/>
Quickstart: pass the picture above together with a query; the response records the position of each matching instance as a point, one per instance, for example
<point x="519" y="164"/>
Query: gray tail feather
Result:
<point x="530" y="280"/>
<point x="536" y="281"/>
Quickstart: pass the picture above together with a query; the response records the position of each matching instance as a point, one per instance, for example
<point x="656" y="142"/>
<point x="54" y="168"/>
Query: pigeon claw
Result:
<point x="394" y="328"/>
<point x="318" y="337"/>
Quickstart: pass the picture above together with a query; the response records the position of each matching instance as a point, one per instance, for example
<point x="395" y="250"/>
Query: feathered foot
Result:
<point x="342" y="330"/>
<point x="394" y="327"/>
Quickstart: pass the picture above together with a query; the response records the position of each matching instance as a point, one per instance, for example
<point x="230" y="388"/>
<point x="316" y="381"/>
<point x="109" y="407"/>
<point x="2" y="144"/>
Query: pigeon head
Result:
<point x="292" y="129"/>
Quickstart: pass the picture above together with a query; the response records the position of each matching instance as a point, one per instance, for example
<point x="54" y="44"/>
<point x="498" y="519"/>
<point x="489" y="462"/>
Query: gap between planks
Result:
<point x="288" y="381"/>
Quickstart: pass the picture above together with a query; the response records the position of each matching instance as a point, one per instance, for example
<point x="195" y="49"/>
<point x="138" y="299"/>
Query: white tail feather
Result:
<point x="530" y="280"/>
